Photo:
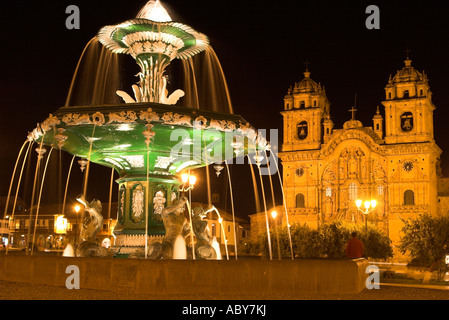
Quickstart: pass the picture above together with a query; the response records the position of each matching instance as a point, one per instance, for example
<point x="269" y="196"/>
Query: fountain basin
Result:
<point x="195" y="279"/>
<point x="149" y="145"/>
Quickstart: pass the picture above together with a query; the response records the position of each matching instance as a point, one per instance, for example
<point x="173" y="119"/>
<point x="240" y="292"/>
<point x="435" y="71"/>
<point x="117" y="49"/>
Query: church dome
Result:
<point x="307" y="85"/>
<point x="408" y="74"/>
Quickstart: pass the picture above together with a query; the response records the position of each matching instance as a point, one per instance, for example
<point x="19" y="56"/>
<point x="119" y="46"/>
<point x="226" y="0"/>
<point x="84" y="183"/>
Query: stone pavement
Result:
<point x="26" y="291"/>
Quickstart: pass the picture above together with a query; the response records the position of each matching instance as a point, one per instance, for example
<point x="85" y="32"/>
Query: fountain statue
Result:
<point x="92" y="223"/>
<point x="203" y="248"/>
<point x="148" y="140"/>
<point x="175" y="224"/>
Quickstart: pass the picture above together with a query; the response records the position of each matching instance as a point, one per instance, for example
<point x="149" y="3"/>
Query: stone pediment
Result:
<point x="366" y="135"/>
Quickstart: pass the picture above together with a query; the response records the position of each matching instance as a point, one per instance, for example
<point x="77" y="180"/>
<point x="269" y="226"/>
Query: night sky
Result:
<point x="262" y="47"/>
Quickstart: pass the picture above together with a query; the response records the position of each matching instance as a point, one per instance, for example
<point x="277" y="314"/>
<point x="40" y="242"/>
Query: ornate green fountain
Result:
<point x="149" y="141"/>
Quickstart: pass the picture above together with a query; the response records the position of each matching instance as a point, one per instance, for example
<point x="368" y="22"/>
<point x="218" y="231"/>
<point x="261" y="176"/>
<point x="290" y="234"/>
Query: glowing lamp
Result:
<point x="367" y="204"/>
<point x="373" y="203"/>
<point x="358" y="203"/>
<point x="220" y="220"/>
<point x="274" y="214"/>
<point x="61" y="225"/>
<point x="77" y="208"/>
<point x="185" y="178"/>
<point x="192" y="180"/>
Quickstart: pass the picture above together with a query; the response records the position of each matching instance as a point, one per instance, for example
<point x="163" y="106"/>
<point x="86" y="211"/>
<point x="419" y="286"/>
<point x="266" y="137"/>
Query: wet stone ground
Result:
<point x="26" y="291"/>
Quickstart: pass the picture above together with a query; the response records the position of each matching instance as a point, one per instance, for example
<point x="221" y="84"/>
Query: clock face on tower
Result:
<point x="300" y="171"/>
<point x="408" y="166"/>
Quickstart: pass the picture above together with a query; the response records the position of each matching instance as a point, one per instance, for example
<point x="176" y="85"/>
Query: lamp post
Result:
<point x="188" y="183"/>
<point x="77" y="210"/>
<point x="369" y="205"/>
<point x="274" y="215"/>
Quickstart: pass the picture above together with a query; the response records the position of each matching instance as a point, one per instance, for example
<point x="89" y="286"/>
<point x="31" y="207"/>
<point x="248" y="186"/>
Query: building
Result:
<point x="396" y="161"/>
<point x="48" y="235"/>
<point x="225" y="230"/>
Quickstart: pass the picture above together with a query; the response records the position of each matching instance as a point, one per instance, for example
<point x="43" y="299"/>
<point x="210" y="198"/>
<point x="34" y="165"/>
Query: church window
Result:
<point x="406" y="94"/>
<point x="328" y="192"/>
<point x="380" y="190"/>
<point x="327" y="131"/>
<point x="300" y="201"/>
<point x="302" y="130"/>
<point x="352" y="191"/>
<point x="314" y="103"/>
<point x="409" y="198"/>
<point x="420" y="92"/>
<point x="377" y="127"/>
<point x="389" y="95"/>
<point x="407" y="121"/>
<point x="302" y="104"/>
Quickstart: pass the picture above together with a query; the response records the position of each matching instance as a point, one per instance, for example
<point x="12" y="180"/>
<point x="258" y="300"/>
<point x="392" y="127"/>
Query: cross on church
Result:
<point x="407" y="51"/>
<point x="353" y="109"/>
<point x="307" y="64"/>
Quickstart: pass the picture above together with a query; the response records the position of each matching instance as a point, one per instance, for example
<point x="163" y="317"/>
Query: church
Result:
<point x="396" y="161"/>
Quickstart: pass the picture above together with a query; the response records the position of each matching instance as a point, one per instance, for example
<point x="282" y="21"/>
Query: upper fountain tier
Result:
<point x="153" y="32"/>
<point x="153" y="40"/>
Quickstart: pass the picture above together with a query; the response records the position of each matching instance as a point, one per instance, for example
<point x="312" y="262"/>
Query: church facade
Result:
<point x="396" y="161"/>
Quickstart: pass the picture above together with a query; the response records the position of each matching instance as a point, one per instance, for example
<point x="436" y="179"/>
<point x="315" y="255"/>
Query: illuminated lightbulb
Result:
<point x="274" y="214"/>
<point x="220" y="220"/>
<point x="185" y="178"/>
<point x="192" y="180"/>
<point x="367" y="204"/>
<point x="358" y="203"/>
<point x="77" y="208"/>
<point x="373" y="203"/>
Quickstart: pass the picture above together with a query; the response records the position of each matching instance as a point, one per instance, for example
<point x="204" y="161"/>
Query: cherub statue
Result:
<point x="92" y="223"/>
<point x="175" y="224"/>
<point x="203" y="248"/>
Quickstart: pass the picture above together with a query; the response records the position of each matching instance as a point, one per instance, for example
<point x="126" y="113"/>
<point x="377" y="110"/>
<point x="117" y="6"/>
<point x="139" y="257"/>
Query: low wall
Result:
<point x="164" y="278"/>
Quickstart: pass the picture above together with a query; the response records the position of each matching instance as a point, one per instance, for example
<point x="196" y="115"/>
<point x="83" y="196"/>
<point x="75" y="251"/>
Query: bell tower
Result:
<point x="408" y="107"/>
<point x="305" y="108"/>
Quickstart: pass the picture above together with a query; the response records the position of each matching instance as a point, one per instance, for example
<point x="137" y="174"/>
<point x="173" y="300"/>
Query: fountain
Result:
<point x="148" y="140"/>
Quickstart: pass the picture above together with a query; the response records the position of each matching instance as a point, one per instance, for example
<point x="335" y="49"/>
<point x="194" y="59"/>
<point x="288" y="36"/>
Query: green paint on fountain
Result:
<point x="147" y="142"/>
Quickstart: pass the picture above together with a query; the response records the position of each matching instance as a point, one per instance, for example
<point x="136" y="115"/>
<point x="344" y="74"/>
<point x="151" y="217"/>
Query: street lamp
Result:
<point x="77" y="210"/>
<point x="274" y="214"/>
<point x="369" y="205"/>
<point x="188" y="182"/>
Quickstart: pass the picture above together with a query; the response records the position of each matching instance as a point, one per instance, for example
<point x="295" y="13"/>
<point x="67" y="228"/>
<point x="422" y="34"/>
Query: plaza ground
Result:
<point x="26" y="291"/>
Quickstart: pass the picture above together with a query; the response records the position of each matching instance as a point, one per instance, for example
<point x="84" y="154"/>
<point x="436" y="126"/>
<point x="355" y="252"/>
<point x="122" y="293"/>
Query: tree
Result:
<point x="426" y="238"/>
<point x="328" y="240"/>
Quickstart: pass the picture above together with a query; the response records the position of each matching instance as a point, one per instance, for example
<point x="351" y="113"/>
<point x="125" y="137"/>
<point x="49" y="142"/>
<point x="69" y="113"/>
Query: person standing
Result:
<point x="354" y="247"/>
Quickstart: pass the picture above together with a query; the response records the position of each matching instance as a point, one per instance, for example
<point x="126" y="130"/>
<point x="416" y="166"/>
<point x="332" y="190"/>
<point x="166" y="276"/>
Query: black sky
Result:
<point x="262" y="46"/>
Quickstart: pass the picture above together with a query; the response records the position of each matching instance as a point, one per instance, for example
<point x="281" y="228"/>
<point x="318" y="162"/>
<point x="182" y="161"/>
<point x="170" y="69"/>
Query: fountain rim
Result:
<point x="107" y="36"/>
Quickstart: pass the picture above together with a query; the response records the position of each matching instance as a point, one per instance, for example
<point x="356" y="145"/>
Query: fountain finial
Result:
<point x="154" y="11"/>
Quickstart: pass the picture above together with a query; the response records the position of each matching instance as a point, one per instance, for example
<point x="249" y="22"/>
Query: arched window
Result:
<point x="314" y="103"/>
<point x="380" y="190"/>
<point x="300" y="202"/>
<point x="389" y="95"/>
<point x="406" y="94"/>
<point x="302" y="130"/>
<point x="352" y="191"/>
<point x="420" y="92"/>
<point x="328" y="192"/>
<point x="409" y="198"/>
<point x="407" y="121"/>
<point x="302" y="104"/>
